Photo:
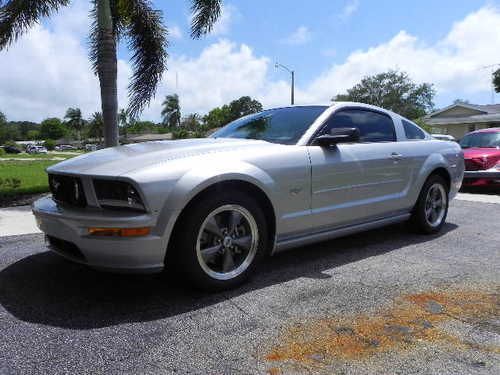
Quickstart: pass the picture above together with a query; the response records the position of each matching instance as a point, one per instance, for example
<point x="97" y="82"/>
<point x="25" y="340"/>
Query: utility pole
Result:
<point x="492" y="67"/>
<point x="292" y="72"/>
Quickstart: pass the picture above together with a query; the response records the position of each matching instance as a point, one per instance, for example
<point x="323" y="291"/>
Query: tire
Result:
<point x="207" y="254"/>
<point x="428" y="216"/>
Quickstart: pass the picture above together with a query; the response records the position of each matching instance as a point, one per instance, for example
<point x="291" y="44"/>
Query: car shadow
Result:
<point x="44" y="288"/>
<point x="489" y="190"/>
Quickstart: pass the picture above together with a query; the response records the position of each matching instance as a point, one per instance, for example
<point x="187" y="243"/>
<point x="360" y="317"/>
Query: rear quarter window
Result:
<point x="412" y="131"/>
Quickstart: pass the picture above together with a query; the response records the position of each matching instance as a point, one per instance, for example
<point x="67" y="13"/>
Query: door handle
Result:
<point x="396" y="156"/>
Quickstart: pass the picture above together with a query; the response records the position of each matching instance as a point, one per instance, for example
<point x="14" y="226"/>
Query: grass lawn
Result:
<point x="31" y="175"/>
<point x="50" y="155"/>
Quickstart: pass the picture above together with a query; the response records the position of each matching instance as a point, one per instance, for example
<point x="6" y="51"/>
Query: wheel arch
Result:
<point x="223" y="186"/>
<point x="443" y="172"/>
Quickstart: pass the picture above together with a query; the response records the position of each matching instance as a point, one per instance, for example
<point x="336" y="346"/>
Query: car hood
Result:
<point x="473" y="152"/>
<point x="119" y="160"/>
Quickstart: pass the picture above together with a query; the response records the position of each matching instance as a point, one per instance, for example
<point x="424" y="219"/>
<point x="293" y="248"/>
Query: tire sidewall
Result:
<point x="419" y="216"/>
<point x="187" y="237"/>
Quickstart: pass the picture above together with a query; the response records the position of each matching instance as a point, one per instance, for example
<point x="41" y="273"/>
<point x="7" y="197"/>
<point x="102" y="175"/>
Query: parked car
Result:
<point x="65" y="148"/>
<point x="482" y="157"/>
<point x="35" y="149"/>
<point x="267" y="182"/>
<point x="443" y="137"/>
<point x="90" y="147"/>
<point x="11" y="150"/>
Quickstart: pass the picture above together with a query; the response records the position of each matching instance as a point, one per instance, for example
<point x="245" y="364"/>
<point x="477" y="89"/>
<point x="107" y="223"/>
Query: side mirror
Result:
<point x="338" y="135"/>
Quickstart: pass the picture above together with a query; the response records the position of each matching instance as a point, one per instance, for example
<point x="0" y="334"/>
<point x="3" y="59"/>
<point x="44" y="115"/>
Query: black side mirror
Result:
<point x="338" y="135"/>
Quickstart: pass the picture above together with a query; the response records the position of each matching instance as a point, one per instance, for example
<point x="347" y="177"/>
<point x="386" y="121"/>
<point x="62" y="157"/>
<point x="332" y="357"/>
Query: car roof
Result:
<point x="487" y="130"/>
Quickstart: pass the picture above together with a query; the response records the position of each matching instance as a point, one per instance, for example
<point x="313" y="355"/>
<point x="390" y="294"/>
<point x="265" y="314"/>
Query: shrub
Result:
<point x="180" y="134"/>
<point x="2" y="152"/>
<point x="49" y="144"/>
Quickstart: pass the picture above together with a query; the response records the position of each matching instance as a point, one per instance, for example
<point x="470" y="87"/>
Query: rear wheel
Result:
<point x="429" y="214"/>
<point x="220" y="240"/>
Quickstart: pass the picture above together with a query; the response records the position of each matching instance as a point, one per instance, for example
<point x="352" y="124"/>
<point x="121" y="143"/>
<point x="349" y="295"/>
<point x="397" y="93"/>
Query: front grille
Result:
<point x="67" y="190"/>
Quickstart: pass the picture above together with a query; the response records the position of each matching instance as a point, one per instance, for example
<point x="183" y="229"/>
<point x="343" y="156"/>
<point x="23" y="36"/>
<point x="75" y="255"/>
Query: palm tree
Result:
<point x="123" y="121"/>
<point x="135" y="20"/>
<point x="171" y="111"/>
<point x="75" y="120"/>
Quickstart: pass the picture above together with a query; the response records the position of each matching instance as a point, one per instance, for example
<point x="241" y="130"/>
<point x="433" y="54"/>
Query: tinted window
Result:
<point x="412" y="131"/>
<point x="481" y="140"/>
<point x="373" y="126"/>
<point x="283" y="125"/>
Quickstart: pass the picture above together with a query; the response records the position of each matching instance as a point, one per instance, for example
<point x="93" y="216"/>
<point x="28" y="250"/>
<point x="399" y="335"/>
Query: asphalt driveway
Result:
<point x="386" y="302"/>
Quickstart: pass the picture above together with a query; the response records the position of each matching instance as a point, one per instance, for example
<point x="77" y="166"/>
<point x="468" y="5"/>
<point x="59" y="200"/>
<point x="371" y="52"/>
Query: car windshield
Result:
<point x="481" y="140"/>
<point x="282" y="125"/>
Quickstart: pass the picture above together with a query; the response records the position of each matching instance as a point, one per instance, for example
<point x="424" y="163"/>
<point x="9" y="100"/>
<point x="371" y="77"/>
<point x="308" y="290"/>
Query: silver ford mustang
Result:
<point x="213" y="208"/>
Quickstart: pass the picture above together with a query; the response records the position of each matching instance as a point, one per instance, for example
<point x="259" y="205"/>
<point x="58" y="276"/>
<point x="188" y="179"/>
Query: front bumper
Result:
<point x="67" y="231"/>
<point x="482" y="178"/>
<point x="489" y="174"/>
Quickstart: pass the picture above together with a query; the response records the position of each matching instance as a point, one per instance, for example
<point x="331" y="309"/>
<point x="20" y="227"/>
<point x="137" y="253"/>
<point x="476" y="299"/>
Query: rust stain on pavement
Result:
<point x="411" y="319"/>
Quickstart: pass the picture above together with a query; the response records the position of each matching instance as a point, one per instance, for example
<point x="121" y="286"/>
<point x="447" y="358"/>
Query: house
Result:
<point x="137" y="138"/>
<point x="462" y="118"/>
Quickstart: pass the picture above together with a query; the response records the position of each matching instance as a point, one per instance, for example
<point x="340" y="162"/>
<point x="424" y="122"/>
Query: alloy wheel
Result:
<point x="435" y="205"/>
<point x="227" y="242"/>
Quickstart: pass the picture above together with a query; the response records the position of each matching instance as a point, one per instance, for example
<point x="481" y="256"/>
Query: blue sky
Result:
<point x="338" y="27"/>
<point x="330" y="44"/>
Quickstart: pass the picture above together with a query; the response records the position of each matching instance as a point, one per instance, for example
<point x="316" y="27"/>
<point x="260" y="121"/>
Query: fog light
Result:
<point x="120" y="232"/>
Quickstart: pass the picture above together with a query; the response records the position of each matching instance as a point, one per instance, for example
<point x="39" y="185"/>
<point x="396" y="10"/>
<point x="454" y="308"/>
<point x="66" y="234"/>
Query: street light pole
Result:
<point x="292" y="72"/>
<point x="492" y="67"/>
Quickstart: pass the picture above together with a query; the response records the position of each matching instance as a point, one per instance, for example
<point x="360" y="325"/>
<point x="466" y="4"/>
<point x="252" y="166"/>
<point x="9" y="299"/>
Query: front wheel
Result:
<point x="221" y="240"/>
<point x="430" y="212"/>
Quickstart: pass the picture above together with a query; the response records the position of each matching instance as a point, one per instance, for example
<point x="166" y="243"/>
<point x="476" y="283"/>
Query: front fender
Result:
<point x="197" y="179"/>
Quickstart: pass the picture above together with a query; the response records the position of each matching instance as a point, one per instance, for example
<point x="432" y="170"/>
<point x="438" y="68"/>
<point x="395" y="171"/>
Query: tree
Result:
<point x="221" y="116"/>
<point x="3" y="128"/>
<point x="496" y="80"/>
<point x="171" y="111"/>
<point x="217" y="117"/>
<point x="191" y="122"/>
<point x="134" y="20"/>
<point x="461" y="101"/>
<point x="244" y="106"/>
<point x="395" y="91"/>
<point x="123" y="121"/>
<point x="96" y="126"/>
<point x="75" y="120"/>
<point x="52" y="128"/>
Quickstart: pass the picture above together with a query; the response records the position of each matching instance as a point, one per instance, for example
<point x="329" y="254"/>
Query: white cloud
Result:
<point x="222" y="72"/>
<point x="175" y="32"/>
<point x="301" y="35"/>
<point x="452" y="64"/>
<point x="47" y="70"/>
<point x="226" y="19"/>
<point x="349" y="9"/>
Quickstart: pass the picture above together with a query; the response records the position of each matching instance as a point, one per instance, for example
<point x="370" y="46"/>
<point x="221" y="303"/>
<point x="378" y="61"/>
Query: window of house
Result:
<point x="412" y="131"/>
<point x="373" y="126"/>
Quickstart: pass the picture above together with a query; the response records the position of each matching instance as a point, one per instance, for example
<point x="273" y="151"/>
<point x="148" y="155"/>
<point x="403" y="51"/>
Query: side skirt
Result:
<point x="290" y="243"/>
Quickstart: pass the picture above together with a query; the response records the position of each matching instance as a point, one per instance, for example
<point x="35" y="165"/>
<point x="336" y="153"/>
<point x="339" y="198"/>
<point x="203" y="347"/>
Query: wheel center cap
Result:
<point x="227" y="242"/>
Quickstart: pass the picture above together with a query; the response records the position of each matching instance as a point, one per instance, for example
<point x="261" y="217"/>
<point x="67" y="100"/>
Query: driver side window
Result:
<point x="373" y="126"/>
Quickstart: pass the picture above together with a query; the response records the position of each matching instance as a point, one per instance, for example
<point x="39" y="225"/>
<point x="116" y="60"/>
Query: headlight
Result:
<point x="117" y="194"/>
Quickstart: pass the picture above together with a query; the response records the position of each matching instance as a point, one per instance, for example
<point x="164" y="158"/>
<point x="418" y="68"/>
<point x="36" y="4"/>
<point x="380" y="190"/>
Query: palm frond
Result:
<point x="205" y="14"/>
<point x="147" y="39"/>
<point x="17" y="16"/>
